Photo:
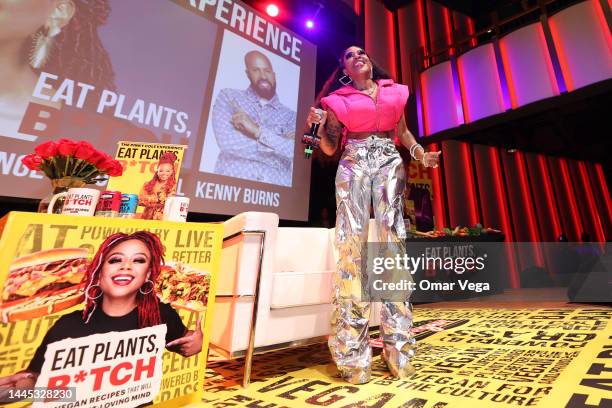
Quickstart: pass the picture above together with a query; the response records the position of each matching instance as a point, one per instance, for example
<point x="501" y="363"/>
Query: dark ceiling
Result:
<point x="481" y="11"/>
<point x="472" y="8"/>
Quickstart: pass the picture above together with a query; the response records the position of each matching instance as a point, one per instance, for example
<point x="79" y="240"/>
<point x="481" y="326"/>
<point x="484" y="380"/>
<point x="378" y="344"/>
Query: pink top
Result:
<point x="358" y="112"/>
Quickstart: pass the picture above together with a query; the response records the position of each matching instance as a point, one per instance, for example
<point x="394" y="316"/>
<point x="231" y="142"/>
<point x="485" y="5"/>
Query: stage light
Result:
<point x="310" y="21"/>
<point x="272" y="10"/>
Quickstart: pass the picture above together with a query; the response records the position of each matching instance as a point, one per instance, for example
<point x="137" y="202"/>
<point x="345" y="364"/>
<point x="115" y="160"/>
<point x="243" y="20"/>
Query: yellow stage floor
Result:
<point x="482" y="357"/>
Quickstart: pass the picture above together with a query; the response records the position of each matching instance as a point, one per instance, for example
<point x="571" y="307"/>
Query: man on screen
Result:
<point x="255" y="132"/>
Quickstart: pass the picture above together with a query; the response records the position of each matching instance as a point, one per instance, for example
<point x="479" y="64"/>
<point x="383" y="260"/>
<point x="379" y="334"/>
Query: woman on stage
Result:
<point x="362" y="102"/>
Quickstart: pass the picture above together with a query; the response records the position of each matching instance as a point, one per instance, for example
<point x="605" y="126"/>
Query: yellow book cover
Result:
<point x="89" y="308"/>
<point x="151" y="171"/>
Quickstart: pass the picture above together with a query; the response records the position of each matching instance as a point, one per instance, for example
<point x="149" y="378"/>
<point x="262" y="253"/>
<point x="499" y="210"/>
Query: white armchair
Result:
<point x="290" y="303"/>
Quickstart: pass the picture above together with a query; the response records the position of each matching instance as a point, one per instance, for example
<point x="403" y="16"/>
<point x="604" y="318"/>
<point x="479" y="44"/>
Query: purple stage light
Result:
<point x="309" y="24"/>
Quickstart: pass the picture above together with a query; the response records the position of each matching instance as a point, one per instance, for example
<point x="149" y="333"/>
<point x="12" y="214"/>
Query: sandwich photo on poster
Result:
<point x="25" y="293"/>
<point x="150" y="171"/>
<point x="114" y="311"/>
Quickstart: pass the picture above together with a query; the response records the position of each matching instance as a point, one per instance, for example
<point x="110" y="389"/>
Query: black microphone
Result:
<point x="314" y="129"/>
<point x="311" y="140"/>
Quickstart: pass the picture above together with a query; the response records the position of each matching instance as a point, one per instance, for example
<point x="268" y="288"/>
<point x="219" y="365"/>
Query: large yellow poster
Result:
<point x="66" y="285"/>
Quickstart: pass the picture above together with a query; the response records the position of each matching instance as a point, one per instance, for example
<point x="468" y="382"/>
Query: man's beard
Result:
<point x="266" y="93"/>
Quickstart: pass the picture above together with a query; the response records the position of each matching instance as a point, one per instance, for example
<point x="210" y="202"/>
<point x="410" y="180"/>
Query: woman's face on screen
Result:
<point x="20" y="19"/>
<point x="125" y="269"/>
<point x="164" y="171"/>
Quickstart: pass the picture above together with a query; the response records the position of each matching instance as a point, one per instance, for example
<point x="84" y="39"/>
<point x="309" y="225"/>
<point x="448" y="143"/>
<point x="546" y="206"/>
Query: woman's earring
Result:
<point x="146" y="292"/>
<point x="345" y="80"/>
<point x="43" y="44"/>
<point x="95" y="287"/>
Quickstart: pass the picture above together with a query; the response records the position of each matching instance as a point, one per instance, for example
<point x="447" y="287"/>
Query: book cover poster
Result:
<point x="151" y="171"/>
<point x="121" y="309"/>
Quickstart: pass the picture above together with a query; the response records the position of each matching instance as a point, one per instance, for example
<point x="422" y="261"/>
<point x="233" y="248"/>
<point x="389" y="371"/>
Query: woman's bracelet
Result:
<point x="413" y="150"/>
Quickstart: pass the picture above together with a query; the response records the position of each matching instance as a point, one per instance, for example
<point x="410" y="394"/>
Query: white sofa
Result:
<point x="293" y="303"/>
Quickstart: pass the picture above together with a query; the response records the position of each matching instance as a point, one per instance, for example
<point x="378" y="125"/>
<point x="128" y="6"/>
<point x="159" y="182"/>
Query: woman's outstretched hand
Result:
<point x="190" y="343"/>
<point x="315" y="117"/>
<point x="22" y="380"/>
<point x="19" y="379"/>
<point x="431" y="159"/>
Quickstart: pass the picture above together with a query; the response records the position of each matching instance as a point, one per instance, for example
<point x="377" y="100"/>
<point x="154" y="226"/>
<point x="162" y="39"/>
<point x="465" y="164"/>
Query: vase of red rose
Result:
<point x="68" y="163"/>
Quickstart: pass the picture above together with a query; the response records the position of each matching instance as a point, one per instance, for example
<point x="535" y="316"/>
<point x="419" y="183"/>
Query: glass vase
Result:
<point x="59" y="186"/>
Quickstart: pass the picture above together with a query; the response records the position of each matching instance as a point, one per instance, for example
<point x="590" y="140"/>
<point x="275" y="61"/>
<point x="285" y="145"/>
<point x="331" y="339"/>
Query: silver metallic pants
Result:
<point x="370" y="170"/>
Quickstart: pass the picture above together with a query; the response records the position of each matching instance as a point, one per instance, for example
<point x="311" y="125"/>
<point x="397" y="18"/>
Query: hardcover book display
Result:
<point x="43" y="275"/>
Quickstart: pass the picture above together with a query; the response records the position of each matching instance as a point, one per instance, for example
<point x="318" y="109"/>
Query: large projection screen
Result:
<point x="164" y="71"/>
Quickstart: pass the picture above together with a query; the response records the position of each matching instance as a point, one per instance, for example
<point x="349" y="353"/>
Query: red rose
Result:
<point x="116" y="169"/>
<point x="84" y="150"/>
<point x="32" y="161"/>
<point x="66" y="147"/>
<point x="105" y="165"/>
<point x="47" y="149"/>
<point x="97" y="157"/>
<point x="107" y="160"/>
